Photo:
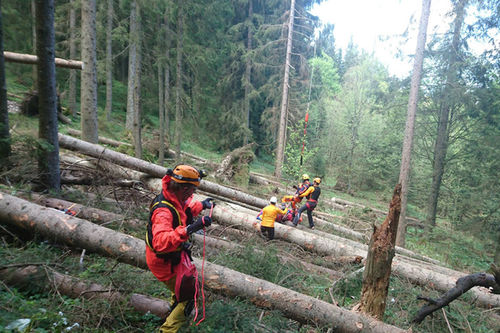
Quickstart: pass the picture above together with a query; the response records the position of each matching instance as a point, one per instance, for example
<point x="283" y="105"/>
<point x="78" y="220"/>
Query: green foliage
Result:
<point x="296" y="160"/>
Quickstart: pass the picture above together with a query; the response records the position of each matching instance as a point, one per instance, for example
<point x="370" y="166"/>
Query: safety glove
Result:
<point x="203" y="221"/>
<point x="207" y="203"/>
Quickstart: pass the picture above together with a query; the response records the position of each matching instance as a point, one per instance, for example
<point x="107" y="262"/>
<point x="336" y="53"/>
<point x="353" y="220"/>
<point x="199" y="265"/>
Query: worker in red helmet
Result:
<point x="312" y="194"/>
<point x="170" y="225"/>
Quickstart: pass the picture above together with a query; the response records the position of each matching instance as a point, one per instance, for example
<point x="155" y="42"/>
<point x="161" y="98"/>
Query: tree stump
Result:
<point x="381" y="251"/>
<point x="235" y="166"/>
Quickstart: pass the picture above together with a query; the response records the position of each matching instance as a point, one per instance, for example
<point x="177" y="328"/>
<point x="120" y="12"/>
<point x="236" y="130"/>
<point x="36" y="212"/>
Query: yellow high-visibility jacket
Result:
<point x="269" y="214"/>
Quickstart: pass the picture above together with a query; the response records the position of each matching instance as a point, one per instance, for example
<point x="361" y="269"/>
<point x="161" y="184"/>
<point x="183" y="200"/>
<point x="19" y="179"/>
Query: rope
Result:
<point x="202" y="278"/>
<point x="307" y="111"/>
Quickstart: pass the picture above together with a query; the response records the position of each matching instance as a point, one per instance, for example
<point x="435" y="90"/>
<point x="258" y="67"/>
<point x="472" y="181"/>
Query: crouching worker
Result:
<point x="170" y="225"/>
<point x="296" y="198"/>
<point x="269" y="214"/>
<point x="312" y="194"/>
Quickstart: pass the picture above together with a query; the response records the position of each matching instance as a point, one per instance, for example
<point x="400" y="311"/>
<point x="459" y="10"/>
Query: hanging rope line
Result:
<point x="307" y="112"/>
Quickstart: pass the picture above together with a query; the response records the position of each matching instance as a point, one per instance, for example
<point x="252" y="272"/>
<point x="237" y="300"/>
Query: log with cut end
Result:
<point x="77" y="232"/>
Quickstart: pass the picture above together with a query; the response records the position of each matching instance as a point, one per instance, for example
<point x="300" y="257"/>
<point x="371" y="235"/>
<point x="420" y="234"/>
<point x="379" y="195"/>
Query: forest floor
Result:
<point x="43" y="309"/>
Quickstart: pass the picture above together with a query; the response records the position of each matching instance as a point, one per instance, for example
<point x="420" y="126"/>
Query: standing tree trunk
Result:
<point x="404" y="173"/>
<point x="178" y="110"/>
<point x="132" y="62"/>
<point x="280" y="149"/>
<point x="33" y="40"/>
<point x="109" y="61"/>
<point x="166" y="85"/>
<point x="379" y="260"/>
<point x="88" y="103"/>
<point x="248" y="71"/>
<point x="496" y="259"/>
<point x="48" y="161"/>
<point x="4" y="111"/>
<point x="72" y="56"/>
<point x="167" y="105"/>
<point x="137" y="125"/>
<point x="441" y="145"/>
<point x="161" y="116"/>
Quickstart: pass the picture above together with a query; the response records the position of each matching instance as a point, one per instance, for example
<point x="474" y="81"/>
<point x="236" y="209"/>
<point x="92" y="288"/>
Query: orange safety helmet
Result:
<point x="185" y="174"/>
<point x="305" y="176"/>
<point x="317" y="180"/>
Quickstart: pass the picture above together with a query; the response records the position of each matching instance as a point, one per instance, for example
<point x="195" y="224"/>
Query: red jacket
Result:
<point x="165" y="237"/>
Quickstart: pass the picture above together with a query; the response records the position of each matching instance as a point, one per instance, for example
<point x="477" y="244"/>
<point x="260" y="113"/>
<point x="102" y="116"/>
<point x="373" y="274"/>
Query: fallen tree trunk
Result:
<point x="152" y="169"/>
<point x="76" y="288"/>
<point x="99" y="216"/>
<point x="33" y="59"/>
<point x="344" y="204"/>
<point x="77" y="232"/>
<point x="217" y="243"/>
<point x="463" y="284"/>
<point x="158" y="171"/>
<point x="103" y="217"/>
<point x="416" y="273"/>
<point x="415" y="270"/>
<point x="101" y="139"/>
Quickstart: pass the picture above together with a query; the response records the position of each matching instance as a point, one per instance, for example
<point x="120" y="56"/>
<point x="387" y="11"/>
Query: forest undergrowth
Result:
<point x="49" y="311"/>
<point x="36" y="307"/>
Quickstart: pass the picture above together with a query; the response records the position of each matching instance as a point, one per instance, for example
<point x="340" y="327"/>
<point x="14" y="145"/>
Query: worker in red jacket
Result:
<point x="296" y="198"/>
<point x="312" y="194"/>
<point x="170" y="225"/>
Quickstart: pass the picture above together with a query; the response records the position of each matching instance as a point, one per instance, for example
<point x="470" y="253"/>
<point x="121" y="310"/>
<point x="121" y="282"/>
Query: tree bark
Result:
<point x="158" y="171"/>
<point x="101" y="139"/>
<point x="80" y="233"/>
<point x="73" y="287"/>
<point x="109" y="60"/>
<point x="95" y="215"/>
<point x="280" y="149"/>
<point x="404" y="173"/>
<point x="48" y="161"/>
<point x="248" y="71"/>
<point x="33" y="41"/>
<point x="33" y="60"/>
<point x="441" y="145"/>
<point x="132" y="62"/>
<point x="161" y="116"/>
<point x="5" y="147"/>
<point x="379" y="260"/>
<point x="166" y="84"/>
<point x="72" y="55"/>
<point x="178" y="106"/>
<point x="137" y="124"/>
<point x="463" y="284"/>
<point x="152" y="169"/>
<point x="496" y="259"/>
<point x="88" y="103"/>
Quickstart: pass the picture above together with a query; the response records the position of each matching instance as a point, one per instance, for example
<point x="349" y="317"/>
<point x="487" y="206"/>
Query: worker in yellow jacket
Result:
<point x="269" y="214"/>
